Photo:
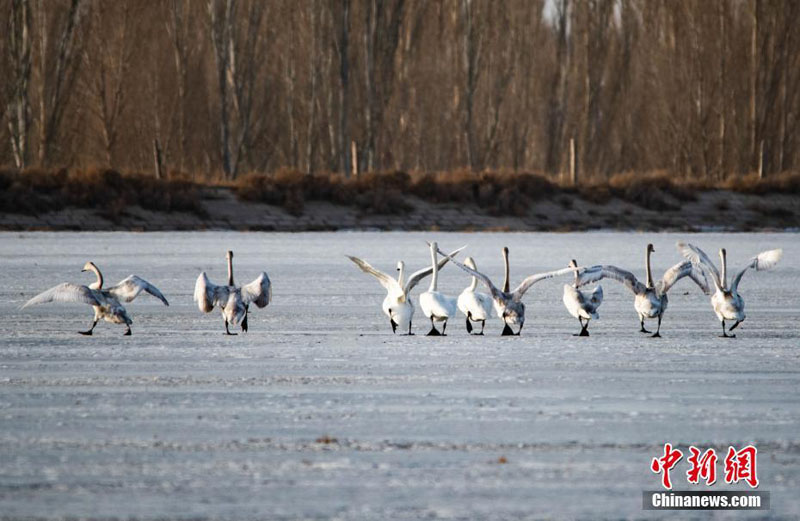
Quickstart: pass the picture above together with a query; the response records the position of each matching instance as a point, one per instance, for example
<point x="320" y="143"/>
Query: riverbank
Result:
<point x="220" y="208"/>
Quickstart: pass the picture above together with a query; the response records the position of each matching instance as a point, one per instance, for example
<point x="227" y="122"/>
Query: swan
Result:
<point x="508" y="304"/>
<point x="398" y="305"/>
<point x="650" y="300"/>
<point x="726" y="301"/>
<point x="105" y="302"/>
<point x="582" y="305"/>
<point x="475" y="305"/>
<point x="233" y="302"/>
<point x="437" y="306"/>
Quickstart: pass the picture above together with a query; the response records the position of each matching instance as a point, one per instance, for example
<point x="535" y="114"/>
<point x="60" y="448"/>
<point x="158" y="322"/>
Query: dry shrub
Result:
<point x="36" y="191"/>
<point x="785" y="182"/>
<point x="649" y="190"/>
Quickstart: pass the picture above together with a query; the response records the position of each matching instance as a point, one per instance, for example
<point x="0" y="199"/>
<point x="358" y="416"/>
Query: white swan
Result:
<point x="474" y="304"/>
<point x="105" y="302"/>
<point x="582" y="305"/>
<point x="233" y="302"/>
<point x="397" y="305"/>
<point x="437" y="306"/>
<point x="726" y="301"/>
<point x="650" y="300"/>
<point x="508" y="304"/>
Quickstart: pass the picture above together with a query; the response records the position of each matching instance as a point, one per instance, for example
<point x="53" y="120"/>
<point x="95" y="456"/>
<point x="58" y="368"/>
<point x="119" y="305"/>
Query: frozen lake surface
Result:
<point x="321" y="412"/>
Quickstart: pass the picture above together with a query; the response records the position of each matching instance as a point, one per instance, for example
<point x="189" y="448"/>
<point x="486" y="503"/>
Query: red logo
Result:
<point x="739" y="465"/>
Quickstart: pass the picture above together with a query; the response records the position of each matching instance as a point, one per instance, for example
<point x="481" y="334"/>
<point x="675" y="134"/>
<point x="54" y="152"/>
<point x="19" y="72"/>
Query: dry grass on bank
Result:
<point x="498" y="193"/>
<point x="37" y="191"/>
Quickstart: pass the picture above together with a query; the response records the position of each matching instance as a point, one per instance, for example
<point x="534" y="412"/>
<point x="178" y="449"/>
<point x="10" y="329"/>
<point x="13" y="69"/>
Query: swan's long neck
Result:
<point x="435" y="276"/>
<point x="506" y="282"/>
<point x="574" y="264"/>
<point x="474" y="285"/>
<point x="647" y="268"/>
<point x="724" y="260"/>
<point x="230" y="269"/>
<point x="99" y="283"/>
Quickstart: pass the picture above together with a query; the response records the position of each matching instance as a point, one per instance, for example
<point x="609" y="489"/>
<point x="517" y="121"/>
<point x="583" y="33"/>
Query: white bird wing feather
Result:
<point x="207" y="294"/>
<point x="386" y="281"/>
<point x="258" y="292"/>
<point x="627" y="278"/>
<point x="496" y="293"/>
<point x="679" y="271"/>
<point x="699" y="258"/>
<point x="763" y="261"/>
<point x="128" y="289"/>
<point x="526" y="284"/>
<point x="417" y="276"/>
<point x="65" y="292"/>
<point x="588" y="275"/>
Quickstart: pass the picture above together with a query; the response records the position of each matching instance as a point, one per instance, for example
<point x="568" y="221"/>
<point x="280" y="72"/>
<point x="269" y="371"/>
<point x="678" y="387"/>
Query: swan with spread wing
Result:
<point x="581" y="304"/>
<point x="508" y="304"/>
<point x="650" y="299"/>
<point x="106" y="303"/>
<point x="398" y="305"/>
<point x="234" y="302"/>
<point x="726" y="301"/>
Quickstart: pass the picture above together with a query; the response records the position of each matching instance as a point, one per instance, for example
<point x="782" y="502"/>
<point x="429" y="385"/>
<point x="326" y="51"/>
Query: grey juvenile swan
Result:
<point x="105" y="302"/>
<point x="508" y="304"/>
<point x="650" y="300"/>
<point x="726" y="301"/>
<point x="233" y="302"/>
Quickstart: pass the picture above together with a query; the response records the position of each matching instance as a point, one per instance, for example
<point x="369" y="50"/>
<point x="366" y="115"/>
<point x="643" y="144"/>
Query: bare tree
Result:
<point x="19" y="109"/>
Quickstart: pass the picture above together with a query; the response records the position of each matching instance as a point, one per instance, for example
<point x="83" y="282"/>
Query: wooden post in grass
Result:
<point x="761" y="160"/>
<point x="572" y="172"/>
<point x="157" y="158"/>
<point x="354" y="158"/>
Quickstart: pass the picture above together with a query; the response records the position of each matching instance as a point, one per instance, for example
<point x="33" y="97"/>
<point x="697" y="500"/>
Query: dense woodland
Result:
<point x="699" y="89"/>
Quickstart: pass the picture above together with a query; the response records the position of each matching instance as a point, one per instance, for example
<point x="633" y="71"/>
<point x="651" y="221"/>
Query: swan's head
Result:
<point x="89" y="266"/>
<point x="229" y="254"/>
<point x="400" y="265"/>
<point x="434" y="245"/>
<point x="650" y="248"/>
<point x="573" y="263"/>
<point x="505" y="250"/>
<point x="470" y="263"/>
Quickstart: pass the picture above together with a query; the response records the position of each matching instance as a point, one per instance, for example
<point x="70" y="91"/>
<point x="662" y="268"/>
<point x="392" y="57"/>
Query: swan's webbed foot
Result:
<point x="656" y="335"/>
<point x="584" y="332"/>
<point x="433" y="332"/>
<point x="127" y="332"/>
<point x="394" y="325"/>
<point x="88" y="332"/>
<point x="507" y="331"/>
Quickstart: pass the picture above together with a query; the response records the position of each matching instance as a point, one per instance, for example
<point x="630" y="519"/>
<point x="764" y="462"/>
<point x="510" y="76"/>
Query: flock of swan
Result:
<point x="650" y="298"/>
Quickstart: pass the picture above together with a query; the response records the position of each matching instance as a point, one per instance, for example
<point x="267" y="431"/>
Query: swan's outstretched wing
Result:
<point x="258" y="292"/>
<point x="588" y="275"/>
<point x="596" y="297"/>
<point x="128" y="289"/>
<point x="417" y="276"/>
<point x="207" y="294"/>
<point x="763" y="261"/>
<point x="496" y="293"/>
<point x="699" y="257"/>
<point x="65" y="292"/>
<point x="386" y="281"/>
<point x="526" y="284"/>
<point x="627" y="278"/>
<point x="677" y="272"/>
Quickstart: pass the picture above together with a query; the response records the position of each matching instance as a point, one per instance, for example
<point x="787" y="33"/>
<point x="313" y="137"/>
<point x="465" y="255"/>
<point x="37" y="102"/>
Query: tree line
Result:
<point x="695" y="88"/>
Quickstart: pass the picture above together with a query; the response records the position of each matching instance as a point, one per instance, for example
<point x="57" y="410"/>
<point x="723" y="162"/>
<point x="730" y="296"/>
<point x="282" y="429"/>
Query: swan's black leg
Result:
<point x="394" y="325"/>
<point x="127" y="332"/>
<point x="89" y="331"/>
<point x="641" y="322"/>
<point x="507" y="331"/>
<point x="433" y="331"/>
<point x="444" y="327"/>
<point x="724" y="334"/>
<point x="584" y="331"/>
<point x="227" y="331"/>
<point x="409" y="328"/>
<point x="520" y="329"/>
<point x="244" y="321"/>
<point x="735" y="325"/>
<point x="657" y="334"/>
<point x="483" y="325"/>
<point x="469" y="325"/>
